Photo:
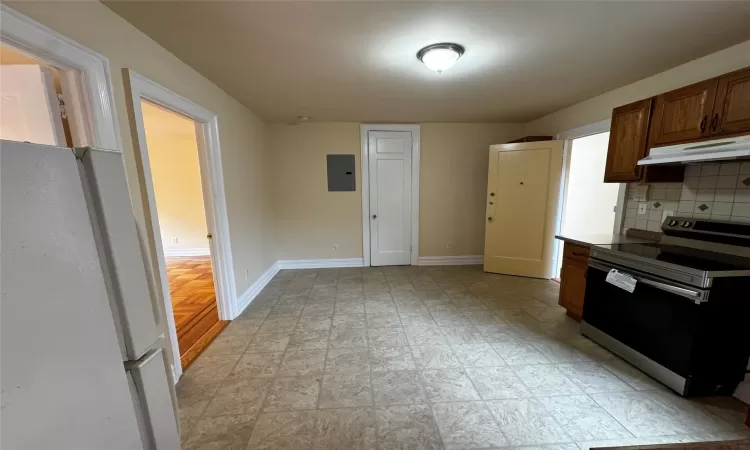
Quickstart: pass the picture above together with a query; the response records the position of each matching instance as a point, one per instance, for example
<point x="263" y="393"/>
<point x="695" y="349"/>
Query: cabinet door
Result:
<point x="573" y="286"/>
<point x="683" y="114"/>
<point x="732" y="108"/>
<point x="627" y="141"/>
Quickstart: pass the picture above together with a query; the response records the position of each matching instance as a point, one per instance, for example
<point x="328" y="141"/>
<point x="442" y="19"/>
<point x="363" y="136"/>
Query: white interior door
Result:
<point x="522" y="202"/>
<point x="390" y="197"/>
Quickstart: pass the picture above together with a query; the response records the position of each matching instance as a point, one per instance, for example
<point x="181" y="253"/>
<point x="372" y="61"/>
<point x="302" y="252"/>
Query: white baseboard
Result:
<point x="320" y="263"/>
<point x="255" y="288"/>
<point x="187" y="252"/>
<point x="451" y="260"/>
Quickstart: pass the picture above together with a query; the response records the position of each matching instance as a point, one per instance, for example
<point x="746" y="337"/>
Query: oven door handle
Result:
<point x="696" y="296"/>
<point x="669" y="288"/>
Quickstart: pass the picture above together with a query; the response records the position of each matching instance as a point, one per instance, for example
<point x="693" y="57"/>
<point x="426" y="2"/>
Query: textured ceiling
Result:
<point x="355" y="61"/>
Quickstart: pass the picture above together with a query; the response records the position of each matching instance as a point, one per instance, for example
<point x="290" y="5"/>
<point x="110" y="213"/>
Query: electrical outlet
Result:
<point x="247" y="274"/>
<point x="449" y="246"/>
<point x="665" y="214"/>
<point x="642" y="208"/>
<point x="175" y="240"/>
<point x="335" y="247"/>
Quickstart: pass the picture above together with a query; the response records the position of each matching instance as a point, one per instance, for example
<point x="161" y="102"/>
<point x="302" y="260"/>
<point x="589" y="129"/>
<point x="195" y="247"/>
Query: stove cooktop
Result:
<point x="691" y="258"/>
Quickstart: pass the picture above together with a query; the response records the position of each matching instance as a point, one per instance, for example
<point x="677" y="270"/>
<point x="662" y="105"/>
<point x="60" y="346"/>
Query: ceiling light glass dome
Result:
<point x="439" y="57"/>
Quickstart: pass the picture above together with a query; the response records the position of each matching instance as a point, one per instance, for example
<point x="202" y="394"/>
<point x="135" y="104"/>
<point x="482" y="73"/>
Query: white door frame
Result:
<point x="364" y="129"/>
<point x="212" y="181"/>
<point x="84" y="73"/>
<point x="568" y="136"/>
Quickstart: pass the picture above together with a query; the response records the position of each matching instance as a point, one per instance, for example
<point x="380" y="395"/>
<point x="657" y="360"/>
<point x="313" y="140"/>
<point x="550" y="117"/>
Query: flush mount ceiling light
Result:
<point x="439" y="57"/>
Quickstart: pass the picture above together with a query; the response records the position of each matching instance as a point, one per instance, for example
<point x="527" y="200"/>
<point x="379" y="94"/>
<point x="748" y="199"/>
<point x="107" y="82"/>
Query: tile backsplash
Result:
<point x="710" y="191"/>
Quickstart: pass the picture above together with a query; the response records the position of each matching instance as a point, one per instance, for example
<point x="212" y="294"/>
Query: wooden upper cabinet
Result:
<point x="683" y="114"/>
<point x="732" y="108"/>
<point x="627" y="141"/>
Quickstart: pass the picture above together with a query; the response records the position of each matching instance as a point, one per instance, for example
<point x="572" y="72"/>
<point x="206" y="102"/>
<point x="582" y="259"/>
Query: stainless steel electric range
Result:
<point x="678" y="309"/>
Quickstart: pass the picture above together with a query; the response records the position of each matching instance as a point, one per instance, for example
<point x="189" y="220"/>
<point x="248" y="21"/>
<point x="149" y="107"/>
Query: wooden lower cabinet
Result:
<point x="573" y="280"/>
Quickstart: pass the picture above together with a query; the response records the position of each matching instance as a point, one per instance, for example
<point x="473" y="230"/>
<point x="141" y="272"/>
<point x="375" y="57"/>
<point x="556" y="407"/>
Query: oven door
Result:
<point x="660" y="319"/>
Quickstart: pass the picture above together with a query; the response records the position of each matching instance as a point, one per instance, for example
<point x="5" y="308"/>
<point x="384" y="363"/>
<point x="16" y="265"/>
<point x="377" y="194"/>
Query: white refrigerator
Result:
<point x="82" y="364"/>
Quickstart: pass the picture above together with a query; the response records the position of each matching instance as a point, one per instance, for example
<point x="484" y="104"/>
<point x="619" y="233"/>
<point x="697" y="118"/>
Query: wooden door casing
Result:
<point x="627" y="141"/>
<point x="731" y="112"/>
<point x="683" y="114"/>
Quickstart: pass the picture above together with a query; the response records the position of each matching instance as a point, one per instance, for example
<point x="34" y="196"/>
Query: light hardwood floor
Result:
<point x="194" y="304"/>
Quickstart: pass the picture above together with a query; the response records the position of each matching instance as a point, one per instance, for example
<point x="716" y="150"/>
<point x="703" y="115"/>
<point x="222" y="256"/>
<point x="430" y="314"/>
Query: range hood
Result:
<point x="715" y="150"/>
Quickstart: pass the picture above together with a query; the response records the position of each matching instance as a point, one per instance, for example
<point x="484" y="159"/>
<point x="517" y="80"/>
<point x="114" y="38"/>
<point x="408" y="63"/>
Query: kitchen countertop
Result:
<point x="599" y="239"/>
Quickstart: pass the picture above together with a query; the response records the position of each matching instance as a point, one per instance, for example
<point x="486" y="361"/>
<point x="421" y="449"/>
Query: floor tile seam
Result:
<point x="325" y="362"/>
<point x="429" y="407"/>
<point x="278" y="370"/>
<point x="260" y="410"/>
<point x="591" y="396"/>
<point x="372" y="402"/>
<point x="609" y="414"/>
<point x="597" y="404"/>
<point x="486" y="407"/>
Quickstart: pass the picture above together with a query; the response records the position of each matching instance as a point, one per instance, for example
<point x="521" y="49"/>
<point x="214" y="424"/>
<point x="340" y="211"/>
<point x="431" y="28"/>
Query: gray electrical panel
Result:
<point x="341" y="173"/>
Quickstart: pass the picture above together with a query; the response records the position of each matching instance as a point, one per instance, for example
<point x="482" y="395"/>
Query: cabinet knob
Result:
<point x="489" y="219"/>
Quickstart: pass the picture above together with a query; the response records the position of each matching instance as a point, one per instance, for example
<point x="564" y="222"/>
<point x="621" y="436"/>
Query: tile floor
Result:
<point x="425" y="358"/>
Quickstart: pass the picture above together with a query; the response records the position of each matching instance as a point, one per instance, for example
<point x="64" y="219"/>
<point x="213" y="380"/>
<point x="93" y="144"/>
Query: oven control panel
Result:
<point x="725" y="232"/>
<point x="677" y="223"/>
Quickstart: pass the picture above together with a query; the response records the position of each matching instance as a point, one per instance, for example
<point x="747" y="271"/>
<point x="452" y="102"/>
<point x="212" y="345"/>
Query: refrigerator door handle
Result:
<point x="151" y="395"/>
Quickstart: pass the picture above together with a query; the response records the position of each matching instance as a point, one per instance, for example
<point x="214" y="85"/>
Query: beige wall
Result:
<point x="309" y="219"/>
<point x="453" y="185"/>
<point x="453" y="171"/>
<point x="175" y="171"/>
<point x="242" y="134"/>
<point x="600" y="108"/>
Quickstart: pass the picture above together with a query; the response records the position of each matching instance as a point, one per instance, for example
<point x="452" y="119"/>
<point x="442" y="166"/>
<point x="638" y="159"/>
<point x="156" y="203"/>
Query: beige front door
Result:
<point x="522" y="197"/>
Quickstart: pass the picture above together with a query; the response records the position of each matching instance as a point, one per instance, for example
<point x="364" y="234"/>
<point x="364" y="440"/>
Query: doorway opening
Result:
<point x="32" y="108"/>
<point x="178" y="192"/>
<point x="590" y="206"/>
<point x="206" y="132"/>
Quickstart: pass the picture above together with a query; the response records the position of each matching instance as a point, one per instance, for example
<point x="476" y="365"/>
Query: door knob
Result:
<point x="374" y="216"/>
